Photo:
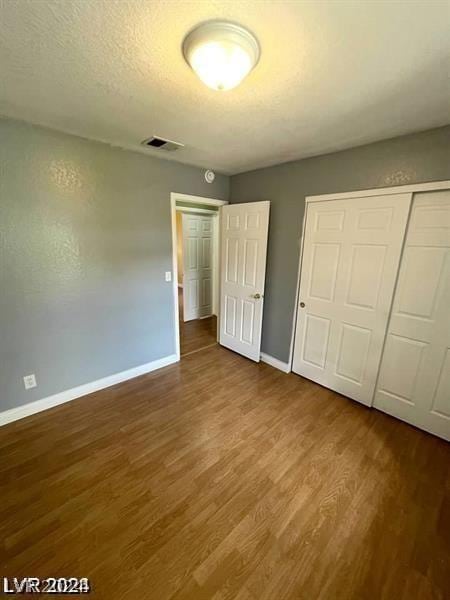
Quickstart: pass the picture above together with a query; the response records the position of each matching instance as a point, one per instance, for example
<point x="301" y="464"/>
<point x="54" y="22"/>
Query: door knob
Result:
<point x="302" y="305"/>
<point x="255" y="296"/>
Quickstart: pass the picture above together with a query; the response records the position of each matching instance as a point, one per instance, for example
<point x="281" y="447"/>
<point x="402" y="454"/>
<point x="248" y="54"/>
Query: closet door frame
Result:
<point x="401" y="189"/>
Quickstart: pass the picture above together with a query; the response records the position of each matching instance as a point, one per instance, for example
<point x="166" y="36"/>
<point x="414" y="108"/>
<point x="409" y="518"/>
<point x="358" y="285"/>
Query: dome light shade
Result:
<point x="221" y="53"/>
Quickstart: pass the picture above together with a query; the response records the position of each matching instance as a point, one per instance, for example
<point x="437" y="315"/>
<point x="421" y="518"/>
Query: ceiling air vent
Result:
<point x="161" y="143"/>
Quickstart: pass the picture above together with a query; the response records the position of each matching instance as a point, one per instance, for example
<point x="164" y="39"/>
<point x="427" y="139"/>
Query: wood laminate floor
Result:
<point x="197" y="334"/>
<point x="218" y="478"/>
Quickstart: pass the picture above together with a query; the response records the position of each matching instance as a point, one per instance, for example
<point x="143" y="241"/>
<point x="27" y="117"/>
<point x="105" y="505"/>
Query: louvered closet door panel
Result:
<point x="414" y="382"/>
<point x="350" y="260"/>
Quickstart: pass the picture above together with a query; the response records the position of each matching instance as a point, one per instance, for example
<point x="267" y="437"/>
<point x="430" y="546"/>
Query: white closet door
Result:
<point x="414" y="382"/>
<point x="197" y="266"/>
<point x="350" y="261"/>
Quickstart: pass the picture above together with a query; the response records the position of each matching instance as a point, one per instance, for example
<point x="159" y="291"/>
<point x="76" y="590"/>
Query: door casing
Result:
<point x="174" y="198"/>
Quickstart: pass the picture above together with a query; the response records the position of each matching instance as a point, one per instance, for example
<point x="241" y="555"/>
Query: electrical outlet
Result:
<point x="168" y="275"/>
<point x="29" y="381"/>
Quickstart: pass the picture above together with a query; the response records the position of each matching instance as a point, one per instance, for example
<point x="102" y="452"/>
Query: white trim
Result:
<point x="274" y="362"/>
<point x="14" y="414"/>
<point x="192" y="209"/>
<point x="197" y="199"/>
<point x="176" y="324"/>
<point x="216" y="269"/>
<point x="174" y="197"/>
<point x="398" y="189"/>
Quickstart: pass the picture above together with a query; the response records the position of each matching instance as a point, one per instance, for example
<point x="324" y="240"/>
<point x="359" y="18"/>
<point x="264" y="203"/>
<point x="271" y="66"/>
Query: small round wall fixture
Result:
<point x="209" y="176"/>
<point x="221" y="53"/>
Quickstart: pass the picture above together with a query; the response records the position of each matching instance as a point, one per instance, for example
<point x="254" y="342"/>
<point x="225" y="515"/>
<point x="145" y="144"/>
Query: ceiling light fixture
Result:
<point x="221" y="53"/>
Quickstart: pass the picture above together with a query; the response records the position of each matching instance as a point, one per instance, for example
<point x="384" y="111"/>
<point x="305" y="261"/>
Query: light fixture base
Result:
<point x="222" y="53"/>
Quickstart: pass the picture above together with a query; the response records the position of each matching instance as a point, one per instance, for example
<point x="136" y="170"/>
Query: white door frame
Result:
<point x="196" y="211"/>
<point x="174" y="198"/>
<point x="399" y="189"/>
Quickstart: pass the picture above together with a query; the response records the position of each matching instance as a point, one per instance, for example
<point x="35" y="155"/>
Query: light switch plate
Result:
<point x="168" y="275"/>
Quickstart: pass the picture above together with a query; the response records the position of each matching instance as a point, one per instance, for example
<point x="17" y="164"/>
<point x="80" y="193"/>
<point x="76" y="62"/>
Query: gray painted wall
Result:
<point x="85" y="239"/>
<point x="408" y="159"/>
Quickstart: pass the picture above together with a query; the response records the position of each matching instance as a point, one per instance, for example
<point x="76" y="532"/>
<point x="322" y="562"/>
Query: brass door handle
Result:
<point x="256" y="296"/>
<point x="302" y="305"/>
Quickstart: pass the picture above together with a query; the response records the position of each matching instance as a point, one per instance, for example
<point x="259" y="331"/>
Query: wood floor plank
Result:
<point x="221" y="479"/>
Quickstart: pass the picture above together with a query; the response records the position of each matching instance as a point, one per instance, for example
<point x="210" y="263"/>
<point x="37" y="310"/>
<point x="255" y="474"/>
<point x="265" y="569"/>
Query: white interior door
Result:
<point x="197" y="266"/>
<point x="350" y="261"/>
<point x="244" y="229"/>
<point x="414" y="382"/>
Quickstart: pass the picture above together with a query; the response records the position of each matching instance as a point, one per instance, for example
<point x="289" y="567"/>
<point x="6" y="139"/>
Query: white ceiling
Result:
<point x="332" y="74"/>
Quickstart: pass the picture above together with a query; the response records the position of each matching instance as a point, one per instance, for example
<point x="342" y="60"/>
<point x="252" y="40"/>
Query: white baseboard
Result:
<point x="274" y="362"/>
<point x="14" y="414"/>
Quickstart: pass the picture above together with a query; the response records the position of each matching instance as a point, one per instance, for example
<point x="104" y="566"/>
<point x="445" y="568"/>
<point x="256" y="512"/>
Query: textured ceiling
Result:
<point x="332" y="74"/>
